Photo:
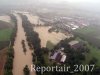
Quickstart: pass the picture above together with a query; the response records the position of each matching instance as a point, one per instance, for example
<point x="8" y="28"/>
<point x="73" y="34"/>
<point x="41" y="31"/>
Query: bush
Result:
<point x="26" y="70"/>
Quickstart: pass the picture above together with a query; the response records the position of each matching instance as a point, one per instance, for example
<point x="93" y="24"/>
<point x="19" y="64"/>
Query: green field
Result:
<point x="94" y="53"/>
<point x="90" y="34"/>
<point x="50" y="45"/>
<point x="92" y="31"/>
<point x="86" y="30"/>
<point x="5" y="34"/>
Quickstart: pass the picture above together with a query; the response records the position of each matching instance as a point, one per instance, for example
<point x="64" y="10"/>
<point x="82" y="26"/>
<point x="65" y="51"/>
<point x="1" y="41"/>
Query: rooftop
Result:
<point x="73" y="42"/>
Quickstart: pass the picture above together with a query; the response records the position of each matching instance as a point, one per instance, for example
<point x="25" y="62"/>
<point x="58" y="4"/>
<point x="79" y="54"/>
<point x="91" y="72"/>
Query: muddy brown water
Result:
<point x="45" y="36"/>
<point x="20" y="59"/>
<point x="34" y="19"/>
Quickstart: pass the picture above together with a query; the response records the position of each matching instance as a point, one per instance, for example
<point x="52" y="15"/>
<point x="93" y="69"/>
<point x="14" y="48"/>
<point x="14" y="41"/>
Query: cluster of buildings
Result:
<point x="70" y="23"/>
<point x="67" y="23"/>
<point x="60" y="57"/>
<point x="76" y="44"/>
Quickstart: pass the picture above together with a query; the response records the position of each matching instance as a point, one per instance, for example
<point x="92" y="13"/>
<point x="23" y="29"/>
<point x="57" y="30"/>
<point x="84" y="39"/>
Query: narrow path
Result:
<point x="20" y="59"/>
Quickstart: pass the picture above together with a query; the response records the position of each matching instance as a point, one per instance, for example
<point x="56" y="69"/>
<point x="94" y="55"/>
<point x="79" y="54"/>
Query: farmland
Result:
<point x="94" y="53"/>
<point x="5" y="18"/>
<point x="53" y="37"/>
<point x="4" y="25"/>
<point x="5" y="34"/>
<point x="90" y="34"/>
<point x="6" y="30"/>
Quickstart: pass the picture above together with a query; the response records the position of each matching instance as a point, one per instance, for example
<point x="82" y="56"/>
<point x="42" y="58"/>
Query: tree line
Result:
<point x="10" y="54"/>
<point x="34" y="41"/>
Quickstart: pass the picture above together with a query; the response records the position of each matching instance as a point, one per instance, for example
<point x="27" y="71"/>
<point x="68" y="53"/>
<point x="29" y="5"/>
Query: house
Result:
<point x="76" y="44"/>
<point x="58" y="56"/>
<point x="63" y="58"/>
<point x="53" y="56"/>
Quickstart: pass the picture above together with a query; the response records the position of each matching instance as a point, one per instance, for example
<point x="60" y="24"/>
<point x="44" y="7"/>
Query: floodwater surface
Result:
<point x="20" y="58"/>
<point x="45" y="36"/>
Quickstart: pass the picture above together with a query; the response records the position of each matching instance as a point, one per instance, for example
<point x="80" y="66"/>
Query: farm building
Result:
<point x="58" y="56"/>
<point x="76" y="44"/>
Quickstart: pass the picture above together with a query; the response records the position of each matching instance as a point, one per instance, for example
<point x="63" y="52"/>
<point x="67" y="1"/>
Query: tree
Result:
<point x="26" y="70"/>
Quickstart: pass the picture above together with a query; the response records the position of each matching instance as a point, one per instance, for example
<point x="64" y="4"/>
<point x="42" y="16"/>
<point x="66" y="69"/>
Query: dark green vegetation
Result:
<point x="23" y="45"/>
<point x="9" y="62"/>
<point x="7" y="32"/>
<point x="5" y="36"/>
<point x="14" y="20"/>
<point x="10" y="54"/>
<point x="94" y="53"/>
<point x="85" y="55"/>
<point x="90" y="34"/>
<point x="34" y="43"/>
<point x="32" y="36"/>
<point x="50" y="45"/>
<point x="26" y="70"/>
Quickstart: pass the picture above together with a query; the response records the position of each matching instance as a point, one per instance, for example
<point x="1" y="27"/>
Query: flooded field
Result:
<point x="20" y="59"/>
<point x="34" y="19"/>
<point x="46" y="36"/>
<point x="5" y="18"/>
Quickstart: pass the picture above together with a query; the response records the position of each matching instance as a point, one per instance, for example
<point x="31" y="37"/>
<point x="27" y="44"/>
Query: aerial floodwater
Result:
<point x="20" y="58"/>
<point x="34" y="19"/>
<point x="53" y="37"/>
<point x="41" y="30"/>
<point x="49" y="37"/>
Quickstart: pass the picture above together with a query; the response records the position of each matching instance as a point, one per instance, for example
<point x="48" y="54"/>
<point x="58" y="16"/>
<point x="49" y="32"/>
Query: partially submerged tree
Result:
<point x="26" y="70"/>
